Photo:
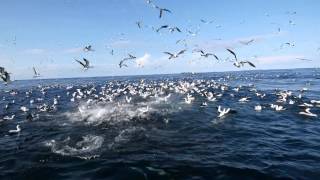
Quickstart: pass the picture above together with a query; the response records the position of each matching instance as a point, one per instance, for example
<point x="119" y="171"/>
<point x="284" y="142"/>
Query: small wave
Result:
<point x="125" y="136"/>
<point x="84" y="149"/>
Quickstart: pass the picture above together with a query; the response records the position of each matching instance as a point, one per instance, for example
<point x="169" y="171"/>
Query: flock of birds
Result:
<point x="208" y="91"/>
<point x="85" y="63"/>
<point x="139" y="95"/>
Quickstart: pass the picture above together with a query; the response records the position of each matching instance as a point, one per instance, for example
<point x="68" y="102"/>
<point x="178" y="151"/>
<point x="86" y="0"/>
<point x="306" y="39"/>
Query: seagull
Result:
<point x="85" y="64"/>
<point x="139" y="24"/>
<point x="143" y="109"/>
<point x="308" y="113"/>
<point x="24" y="109"/>
<point x="162" y="10"/>
<point x="247" y="42"/>
<point x="258" y="108"/>
<point x="128" y="99"/>
<point x="242" y="63"/>
<point x="193" y="33"/>
<point x="9" y="117"/>
<point x="175" y="55"/>
<point x="36" y="74"/>
<point x="88" y="48"/>
<point x="223" y="112"/>
<point x="303" y="59"/>
<point x="17" y="130"/>
<point x="203" y="54"/>
<point x="121" y="64"/>
<point x="206" y="22"/>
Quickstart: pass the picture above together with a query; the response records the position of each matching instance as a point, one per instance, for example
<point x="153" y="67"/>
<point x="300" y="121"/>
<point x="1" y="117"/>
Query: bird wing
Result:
<point x="251" y="64"/>
<point x="168" y="53"/>
<point x="160" y="15"/>
<point x="181" y="52"/>
<point x="86" y="61"/>
<point x="178" y="29"/>
<point x="234" y="54"/>
<point x="167" y="10"/>
<point x="80" y="63"/>
<point x="131" y="56"/>
<point x="35" y="72"/>
<point x="215" y="56"/>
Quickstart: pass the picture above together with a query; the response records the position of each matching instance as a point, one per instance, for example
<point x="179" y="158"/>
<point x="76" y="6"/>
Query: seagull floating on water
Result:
<point x="17" y="130"/>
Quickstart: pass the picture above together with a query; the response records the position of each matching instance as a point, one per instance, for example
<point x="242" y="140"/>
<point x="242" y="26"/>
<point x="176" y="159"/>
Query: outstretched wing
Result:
<point x="234" y="54"/>
<point x="80" y="62"/>
<point x="35" y="72"/>
<point x="181" y="52"/>
<point x="167" y="10"/>
<point x="251" y="64"/>
<point x="215" y="56"/>
<point x="86" y="61"/>
<point x="168" y="53"/>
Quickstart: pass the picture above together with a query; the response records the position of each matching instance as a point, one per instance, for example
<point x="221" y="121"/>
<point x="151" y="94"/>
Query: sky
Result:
<point x="50" y="34"/>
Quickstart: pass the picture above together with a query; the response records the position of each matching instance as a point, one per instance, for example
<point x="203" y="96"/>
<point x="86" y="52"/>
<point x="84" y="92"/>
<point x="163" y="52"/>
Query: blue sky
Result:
<point x="50" y="34"/>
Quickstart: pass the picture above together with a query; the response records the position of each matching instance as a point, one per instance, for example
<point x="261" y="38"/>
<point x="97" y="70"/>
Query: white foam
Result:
<point x="85" y="149"/>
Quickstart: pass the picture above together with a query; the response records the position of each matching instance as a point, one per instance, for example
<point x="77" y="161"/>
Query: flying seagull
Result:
<point x="36" y="74"/>
<point x="206" y="22"/>
<point x="233" y="53"/>
<point x="247" y="42"/>
<point x="85" y="63"/>
<point x="139" y="24"/>
<point x="88" y="48"/>
<point x="203" y="54"/>
<point x="121" y="64"/>
<point x="162" y="10"/>
<point x="242" y="63"/>
<point x="303" y="59"/>
<point x="175" y="55"/>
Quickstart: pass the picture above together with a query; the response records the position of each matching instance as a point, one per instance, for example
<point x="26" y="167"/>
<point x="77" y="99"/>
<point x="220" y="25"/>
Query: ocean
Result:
<point x="146" y="127"/>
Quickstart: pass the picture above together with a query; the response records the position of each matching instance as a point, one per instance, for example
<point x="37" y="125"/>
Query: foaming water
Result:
<point x="163" y="127"/>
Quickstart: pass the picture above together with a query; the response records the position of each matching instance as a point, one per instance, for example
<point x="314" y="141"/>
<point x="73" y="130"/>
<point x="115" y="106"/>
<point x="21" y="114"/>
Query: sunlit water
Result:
<point x="158" y="138"/>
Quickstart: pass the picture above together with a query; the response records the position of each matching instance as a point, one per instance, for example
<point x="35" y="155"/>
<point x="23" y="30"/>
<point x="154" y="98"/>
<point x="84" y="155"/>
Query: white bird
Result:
<point x="171" y="55"/>
<point x="144" y="109"/>
<point x="36" y="74"/>
<point x="128" y="99"/>
<point x="308" y="113"/>
<point x="258" y="108"/>
<point x="245" y="99"/>
<point x="15" y="130"/>
<point x="9" y="117"/>
<point x="24" y="109"/>
<point x="223" y="112"/>
<point x="189" y="99"/>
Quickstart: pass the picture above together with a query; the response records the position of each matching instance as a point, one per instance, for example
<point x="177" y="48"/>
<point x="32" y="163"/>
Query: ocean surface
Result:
<point x="142" y="127"/>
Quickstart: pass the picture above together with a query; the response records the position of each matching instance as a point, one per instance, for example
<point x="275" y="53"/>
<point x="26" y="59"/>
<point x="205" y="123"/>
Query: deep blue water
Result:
<point x="107" y="137"/>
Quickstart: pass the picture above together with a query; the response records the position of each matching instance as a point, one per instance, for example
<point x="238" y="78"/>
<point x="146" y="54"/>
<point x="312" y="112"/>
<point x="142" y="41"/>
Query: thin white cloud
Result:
<point x="236" y="42"/>
<point x="35" y="51"/>
<point x="267" y="60"/>
<point x="73" y="50"/>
